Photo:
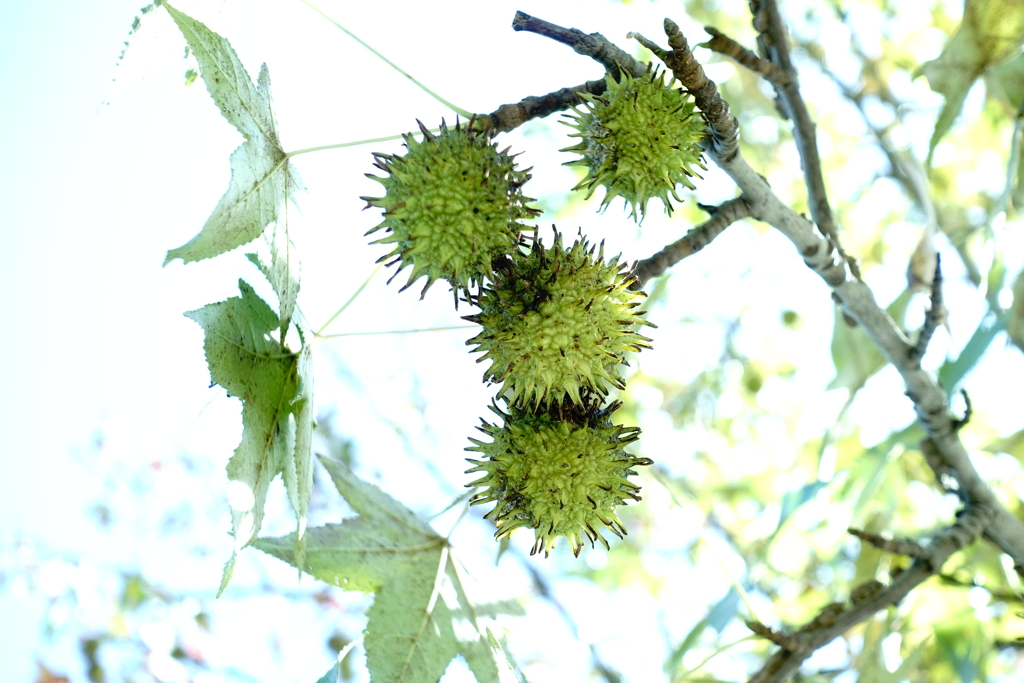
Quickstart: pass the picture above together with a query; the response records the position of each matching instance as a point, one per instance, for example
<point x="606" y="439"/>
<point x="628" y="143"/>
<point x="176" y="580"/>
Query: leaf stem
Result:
<point x="352" y="144"/>
<point x="422" y="329"/>
<point x="457" y="110"/>
<point x="319" y="333"/>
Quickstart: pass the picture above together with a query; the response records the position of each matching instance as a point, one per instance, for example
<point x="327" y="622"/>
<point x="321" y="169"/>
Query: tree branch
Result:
<point x="724" y="45"/>
<point x="828" y="625"/>
<point x="694" y="240"/>
<point x="592" y="45"/>
<point x="898" y="546"/>
<point x="936" y="315"/>
<point x="822" y="254"/>
<point x="773" y="42"/>
<point x="725" y="132"/>
<point x="857" y="300"/>
<point x="510" y="116"/>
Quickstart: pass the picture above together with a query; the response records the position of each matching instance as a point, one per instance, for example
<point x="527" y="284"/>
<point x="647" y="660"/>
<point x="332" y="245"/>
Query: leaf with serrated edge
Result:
<point x="298" y="474"/>
<point x="991" y="32"/>
<point x="261" y="177"/>
<point x="421" y="615"/>
<point x="276" y="391"/>
<point x="281" y="270"/>
<point x="483" y="659"/>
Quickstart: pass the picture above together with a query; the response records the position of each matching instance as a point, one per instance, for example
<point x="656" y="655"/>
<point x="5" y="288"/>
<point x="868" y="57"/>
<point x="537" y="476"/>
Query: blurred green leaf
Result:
<point x="1015" y="321"/>
<point x="854" y="354"/>
<point x="282" y="272"/>
<point x="334" y="675"/>
<point x="421" y="616"/>
<point x="1008" y="80"/>
<point x="953" y="372"/>
<point x="1011" y="445"/>
<point x="991" y="32"/>
<point x="964" y="644"/>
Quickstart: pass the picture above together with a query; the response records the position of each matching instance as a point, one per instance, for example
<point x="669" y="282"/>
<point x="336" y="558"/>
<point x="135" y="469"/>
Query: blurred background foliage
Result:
<point x="774" y="425"/>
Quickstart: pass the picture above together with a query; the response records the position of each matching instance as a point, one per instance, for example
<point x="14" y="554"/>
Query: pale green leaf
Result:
<point x="281" y="270"/>
<point x="991" y="32"/>
<point x="952" y="372"/>
<point x="1008" y="80"/>
<point x="409" y="634"/>
<point x="508" y="669"/>
<point x="261" y="177"/>
<point x="1011" y="445"/>
<point x="965" y="646"/>
<point x="997" y="27"/>
<point x="486" y="659"/>
<point x="952" y="76"/>
<point x="275" y="388"/>
<point x="334" y="675"/>
<point x="855" y="356"/>
<point x="298" y="477"/>
<point x="910" y="664"/>
<point x="1015" y="319"/>
<point x="422" y="615"/>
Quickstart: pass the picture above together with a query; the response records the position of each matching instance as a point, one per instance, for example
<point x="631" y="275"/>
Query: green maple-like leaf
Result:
<point x="282" y="271"/>
<point x="421" y="616"/>
<point x="275" y="387"/>
<point x="262" y="180"/>
<point x="992" y="32"/>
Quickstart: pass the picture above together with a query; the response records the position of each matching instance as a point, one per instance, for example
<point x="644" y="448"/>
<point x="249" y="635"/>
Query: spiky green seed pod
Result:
<point x="559" y="478"/>
<point x="452" y="204"/>
<point x="557" y="323"/>
<point x="640" y="139"/>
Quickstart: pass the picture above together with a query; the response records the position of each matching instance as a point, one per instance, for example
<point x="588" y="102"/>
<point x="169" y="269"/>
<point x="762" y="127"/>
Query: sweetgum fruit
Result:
<point x="639" y="140"/>
<point x="452" y="204"/>
<point x="559" y="477"/>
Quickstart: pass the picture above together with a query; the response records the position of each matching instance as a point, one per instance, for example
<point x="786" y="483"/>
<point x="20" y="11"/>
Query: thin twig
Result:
<point x="907" y="169"/>
<point x="592" y="45"/>
<point x="935" y="317"/>
<point x="898" y="546"/>
<point x="961" y="422"/>
<point x="773" y="41"/>
<point x="822" y="256"/>
<point x="995" y="594"/>
<point x="784" y="663"/>
<point x="510" y="116"/>
<point x="724" y="45"/>
<point x="694" y="240"/>
<point x="930" y="404"/>
<point x="786" y="641"/>
<point x="866" y="591"/>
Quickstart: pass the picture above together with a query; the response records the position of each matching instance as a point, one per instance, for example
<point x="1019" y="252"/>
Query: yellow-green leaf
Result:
<point x="261" y="177"/>
<point x="992" y="32"/>
<point x="275" y="387"/>
<point x="422" y="615"/>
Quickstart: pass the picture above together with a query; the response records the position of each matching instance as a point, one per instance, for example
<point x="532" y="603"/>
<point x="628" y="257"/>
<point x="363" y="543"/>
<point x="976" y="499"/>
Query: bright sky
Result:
<point x="95" y="194"/>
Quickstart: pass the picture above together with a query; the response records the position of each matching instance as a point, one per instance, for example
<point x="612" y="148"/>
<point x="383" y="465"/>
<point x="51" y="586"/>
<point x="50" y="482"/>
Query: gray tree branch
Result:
<point x="510" y="116"/>
<point x="694" y="240"/>
<point x="822" y="253"/>
<point x="795" y="648"/>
